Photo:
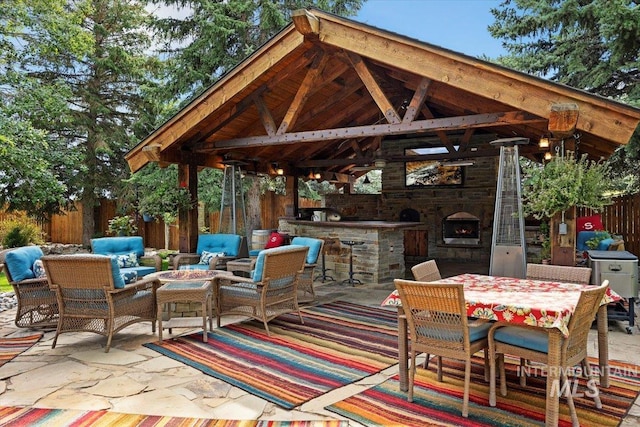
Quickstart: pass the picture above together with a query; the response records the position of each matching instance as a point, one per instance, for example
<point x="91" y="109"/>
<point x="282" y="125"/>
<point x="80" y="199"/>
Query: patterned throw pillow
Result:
<point x="129" y="277"/>
<point x="127" y="260"/>
<point x="38" y="269"/>
<point x="205" y="257"/>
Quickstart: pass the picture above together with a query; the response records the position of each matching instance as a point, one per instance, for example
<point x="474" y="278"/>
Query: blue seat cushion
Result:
<point x="118" y="245"/>
<point x="475" y="332"/>
<point x="219" y="242"/>
<point x="314" y="246"/>
<point x="257" y="272"/>
<point x="523" y="337"/>
<point x="255" y="252"/>
<point x="141" y="270"/>
<point x="20" y="262"/>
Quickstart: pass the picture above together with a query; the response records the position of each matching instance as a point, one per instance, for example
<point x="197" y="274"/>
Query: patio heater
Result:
<point x="232" y="200"/>
<point x="508" y="246"/>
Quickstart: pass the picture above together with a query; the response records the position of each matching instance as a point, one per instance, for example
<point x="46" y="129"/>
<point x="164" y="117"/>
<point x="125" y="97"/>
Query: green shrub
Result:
<point x="20" y="230"/>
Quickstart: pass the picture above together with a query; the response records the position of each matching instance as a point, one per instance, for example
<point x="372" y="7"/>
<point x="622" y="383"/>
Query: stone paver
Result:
<point x="78" y="374"/>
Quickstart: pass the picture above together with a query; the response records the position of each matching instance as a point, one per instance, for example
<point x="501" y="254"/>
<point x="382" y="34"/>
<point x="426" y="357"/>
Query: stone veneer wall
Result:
<point x="380" y="256"/>
<point x="476" y="196"/>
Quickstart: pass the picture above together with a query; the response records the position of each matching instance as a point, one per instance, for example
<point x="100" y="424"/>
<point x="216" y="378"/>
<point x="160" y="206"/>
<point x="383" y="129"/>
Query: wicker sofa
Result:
<point x="130" y="254"/>
<point x="213" y="251"/>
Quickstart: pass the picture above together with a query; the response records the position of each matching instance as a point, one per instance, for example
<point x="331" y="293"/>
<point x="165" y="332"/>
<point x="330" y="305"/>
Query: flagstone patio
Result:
<point x="78" y="374"/>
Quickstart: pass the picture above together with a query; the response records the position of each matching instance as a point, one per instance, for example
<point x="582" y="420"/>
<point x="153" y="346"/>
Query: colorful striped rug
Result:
<point x="339" y="343"/>
<point x="38" y="417"/>
<point x="440" y="403"/>
<point x="11" y="347"/>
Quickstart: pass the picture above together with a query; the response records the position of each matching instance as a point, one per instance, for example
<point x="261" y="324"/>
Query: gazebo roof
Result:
<point x="324" y="92"/>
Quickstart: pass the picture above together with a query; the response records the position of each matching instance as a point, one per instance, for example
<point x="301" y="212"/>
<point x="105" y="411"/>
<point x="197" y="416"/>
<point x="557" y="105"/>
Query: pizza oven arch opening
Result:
<point x="461" y="228"/>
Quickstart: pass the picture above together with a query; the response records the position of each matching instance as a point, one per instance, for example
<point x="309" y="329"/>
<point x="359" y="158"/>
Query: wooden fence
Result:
<point x="622" y="217"/>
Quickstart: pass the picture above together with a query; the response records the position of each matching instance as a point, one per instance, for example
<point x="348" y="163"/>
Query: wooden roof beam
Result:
<point x="417" y="101"/>
<point x="374" y="88"/>
<point x="303" y="93"/>
<point x="517" y="90"/>
<point x="432" y="125"/>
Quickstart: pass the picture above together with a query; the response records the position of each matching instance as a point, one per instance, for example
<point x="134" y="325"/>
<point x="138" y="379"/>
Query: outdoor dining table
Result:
<point x="545" y="304"/>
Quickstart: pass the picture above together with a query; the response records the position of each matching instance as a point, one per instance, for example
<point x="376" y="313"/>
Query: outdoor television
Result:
<point x="431" y="173"/>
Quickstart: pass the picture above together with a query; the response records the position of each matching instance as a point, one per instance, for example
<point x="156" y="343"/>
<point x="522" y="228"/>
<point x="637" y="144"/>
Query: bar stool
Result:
<point x="324" y="276"/>
<point x="351" y="244"/>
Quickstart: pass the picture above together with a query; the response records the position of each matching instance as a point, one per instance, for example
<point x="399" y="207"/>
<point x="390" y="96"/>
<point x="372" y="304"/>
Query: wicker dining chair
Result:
<point x="92" y="296"/>
<point x="438" y="324"/>
<point x="531" y="343"/>
<point x="426" y="271"/>
<point x="270" y="292"/>
<point x="559" y="273"/>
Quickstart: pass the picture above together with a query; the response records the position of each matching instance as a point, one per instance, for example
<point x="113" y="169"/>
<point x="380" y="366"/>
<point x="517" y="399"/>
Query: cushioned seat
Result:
<point x="271" y="290"/>
<point x="129" y="252"/>
<point x="213" y="251"/>
<point x="37" y="303"/>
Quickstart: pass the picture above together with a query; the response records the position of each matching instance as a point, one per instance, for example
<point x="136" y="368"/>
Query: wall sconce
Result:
<point x="277" y="169"/>
<point x="544" y="141"/>
<point x="314" y="175"/>
<point x="317" y="175"/>
<point x="548" y="155"/>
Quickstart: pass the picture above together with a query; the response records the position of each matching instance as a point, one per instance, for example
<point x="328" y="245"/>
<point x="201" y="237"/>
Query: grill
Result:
<point x="620" y="268"/>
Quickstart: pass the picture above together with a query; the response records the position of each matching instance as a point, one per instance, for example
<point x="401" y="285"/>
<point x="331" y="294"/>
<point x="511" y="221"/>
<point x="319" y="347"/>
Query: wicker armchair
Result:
<point x="426" y="271"/>
<point x="37" y="304"/>
<point x="306" y="292"/>
<point x="438" y="324"/>
<point x="559" y="273"/>
<point x="92" y="296"/>
<point x="271" y="291"/>
<point x="531" y="343"/>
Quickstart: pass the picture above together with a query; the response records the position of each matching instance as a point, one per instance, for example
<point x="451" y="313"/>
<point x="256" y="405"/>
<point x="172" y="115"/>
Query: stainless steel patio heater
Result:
<point x="508" y="247"/>
<point x="232" y="208"/>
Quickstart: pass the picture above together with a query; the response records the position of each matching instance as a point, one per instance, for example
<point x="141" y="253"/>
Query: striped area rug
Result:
<point x="339" y="343"/>
<point x="38" y="417"/>
<point x="440" y="403"/>
<point x="11" y="347"/>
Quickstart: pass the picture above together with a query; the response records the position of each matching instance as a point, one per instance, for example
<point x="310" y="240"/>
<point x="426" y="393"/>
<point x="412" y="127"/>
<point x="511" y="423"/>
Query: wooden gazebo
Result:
<point x="324" y="92"/>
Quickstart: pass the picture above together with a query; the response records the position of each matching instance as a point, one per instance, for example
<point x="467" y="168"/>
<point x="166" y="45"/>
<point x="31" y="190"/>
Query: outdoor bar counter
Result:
<point x="381" y="255"/>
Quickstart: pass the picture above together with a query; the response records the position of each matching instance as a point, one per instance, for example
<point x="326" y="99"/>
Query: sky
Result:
<point x="459" y="25"/>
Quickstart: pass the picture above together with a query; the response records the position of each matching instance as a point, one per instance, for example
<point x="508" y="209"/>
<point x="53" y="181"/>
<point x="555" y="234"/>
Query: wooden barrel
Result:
<point x="259" y="239"/>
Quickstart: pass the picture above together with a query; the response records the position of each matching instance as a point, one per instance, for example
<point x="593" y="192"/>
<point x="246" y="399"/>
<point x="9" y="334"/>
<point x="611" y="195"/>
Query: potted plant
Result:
<point x="122" y="226"/>
<point x="552" y="189"/>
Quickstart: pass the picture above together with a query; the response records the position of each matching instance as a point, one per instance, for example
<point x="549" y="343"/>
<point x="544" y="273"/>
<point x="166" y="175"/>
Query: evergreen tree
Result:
<point x="93" y="56"/>
<point x="217" y="35"/>
<point x="588" y="44"/>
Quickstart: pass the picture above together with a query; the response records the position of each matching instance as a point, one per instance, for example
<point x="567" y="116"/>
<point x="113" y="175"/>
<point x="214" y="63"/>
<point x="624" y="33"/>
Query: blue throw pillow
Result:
<point x="205" y="258"/>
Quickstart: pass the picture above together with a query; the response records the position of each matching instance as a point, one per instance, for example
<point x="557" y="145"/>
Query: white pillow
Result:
<point x="127" y="260"/>
<point x="38" y="269"/>
<point x="205" y="257"/>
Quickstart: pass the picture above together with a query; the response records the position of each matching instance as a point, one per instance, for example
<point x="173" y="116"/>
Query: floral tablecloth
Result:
<point x="532" y="302"/>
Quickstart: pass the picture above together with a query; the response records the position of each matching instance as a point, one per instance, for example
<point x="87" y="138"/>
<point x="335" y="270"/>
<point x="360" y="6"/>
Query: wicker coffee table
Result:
<point x="186" y="285"/>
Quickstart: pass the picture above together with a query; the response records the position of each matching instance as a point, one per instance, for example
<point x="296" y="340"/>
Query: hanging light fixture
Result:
<point x="544" y="141"/>
<point x="547" y="155"/>
<point x="277" y="169"/>
<point x="366" y="179"/>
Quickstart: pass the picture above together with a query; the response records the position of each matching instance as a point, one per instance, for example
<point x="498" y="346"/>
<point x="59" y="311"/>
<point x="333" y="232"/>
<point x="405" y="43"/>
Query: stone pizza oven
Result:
<point x="461" y="228"/>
